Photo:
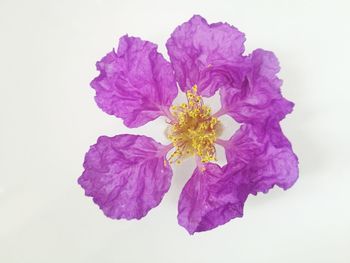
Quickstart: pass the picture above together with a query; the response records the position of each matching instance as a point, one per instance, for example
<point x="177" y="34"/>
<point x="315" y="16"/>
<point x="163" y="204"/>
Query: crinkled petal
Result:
<point x="258" y="96"/>
<point x="198" y="50"/>
<point x="266" y="154"/>
<point x="135" y="83"/>
<point x="211" y="198"/>
<point x="127" y="175"/>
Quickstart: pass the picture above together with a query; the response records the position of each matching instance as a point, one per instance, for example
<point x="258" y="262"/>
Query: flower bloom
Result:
<point x="127" y="175"/>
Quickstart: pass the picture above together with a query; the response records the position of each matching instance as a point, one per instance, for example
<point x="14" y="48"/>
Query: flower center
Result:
<point x="194" y="131"/>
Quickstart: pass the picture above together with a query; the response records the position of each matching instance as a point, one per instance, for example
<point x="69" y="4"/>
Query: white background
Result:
<point x="48" y="120"/>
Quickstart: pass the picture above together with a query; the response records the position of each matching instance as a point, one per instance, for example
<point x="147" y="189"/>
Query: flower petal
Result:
<point x="267" y="155"/>
<point x="196" y="48"/>
<point x="127" y="175"/>
<point x="135" y="83"/>
<point x="211" y="198"/>
<point x="258" y="96"/>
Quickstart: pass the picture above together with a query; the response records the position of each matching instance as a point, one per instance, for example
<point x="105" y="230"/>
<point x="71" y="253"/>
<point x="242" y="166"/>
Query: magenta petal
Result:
<point x="211" y="198"/>
<point x="135" y="83"/>
<point x="266" y="154"/>
<point x="196" y="48"/>
<point x="258" y="96"/>
<point x="127" y="175"/>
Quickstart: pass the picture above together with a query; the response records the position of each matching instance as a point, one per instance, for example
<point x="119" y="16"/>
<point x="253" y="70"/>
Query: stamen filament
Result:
<point x="166" y="112"/>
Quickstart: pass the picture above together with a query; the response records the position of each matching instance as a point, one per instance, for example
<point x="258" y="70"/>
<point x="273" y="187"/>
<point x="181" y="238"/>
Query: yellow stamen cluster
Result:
<point x="194" y="131"/>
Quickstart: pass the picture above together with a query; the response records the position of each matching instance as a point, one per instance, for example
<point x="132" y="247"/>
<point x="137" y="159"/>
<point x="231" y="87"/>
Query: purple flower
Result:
<point x="127" y="175"/>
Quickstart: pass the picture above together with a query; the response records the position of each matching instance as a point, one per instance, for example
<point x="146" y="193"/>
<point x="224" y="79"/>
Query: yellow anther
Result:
<point x="194" y="131"/>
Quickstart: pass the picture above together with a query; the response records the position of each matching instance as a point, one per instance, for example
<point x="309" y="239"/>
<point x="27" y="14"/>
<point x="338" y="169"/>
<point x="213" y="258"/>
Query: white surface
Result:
<point x="49" y="119"/>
